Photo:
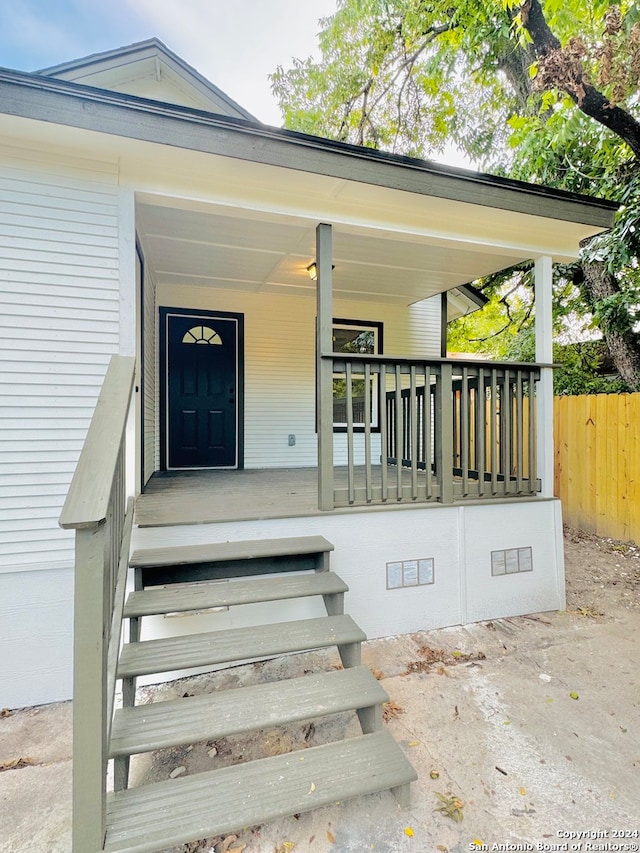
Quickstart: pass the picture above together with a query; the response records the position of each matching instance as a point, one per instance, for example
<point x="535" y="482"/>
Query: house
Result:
<point x="278" y="305"/>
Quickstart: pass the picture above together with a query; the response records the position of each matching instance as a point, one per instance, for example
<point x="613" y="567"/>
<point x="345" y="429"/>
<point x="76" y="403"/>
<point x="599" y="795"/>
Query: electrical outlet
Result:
<point x="292" y="440"/>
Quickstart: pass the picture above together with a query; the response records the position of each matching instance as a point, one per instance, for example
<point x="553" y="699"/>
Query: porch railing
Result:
<point x="97" y="509"/>
<point x="434" y="430"/>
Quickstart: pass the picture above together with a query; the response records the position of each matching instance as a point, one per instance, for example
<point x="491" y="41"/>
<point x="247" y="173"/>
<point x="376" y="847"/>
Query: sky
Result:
<point x="235" y="44"/>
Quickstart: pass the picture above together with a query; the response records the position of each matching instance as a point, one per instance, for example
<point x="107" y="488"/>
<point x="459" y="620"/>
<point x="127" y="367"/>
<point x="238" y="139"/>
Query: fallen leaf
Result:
<point x="450" y="806"/>
<point x="331" y="837"/>
<point x="434" y="774"/>
<point x="523" y="792"/>
<point x="442" y="848"/>
<point x="312" y="788"/>
<point x="5" y="712"/>
<point x="414" y="743"/>
<point x="16" y="764"/>
<point x="378" y="675"/>
<point x="390" y="710"/>
<point x="225" y="846"/>
<point x="408" y="831"/>
<point x="574" y="695"/>
<point x="285" y="847"/>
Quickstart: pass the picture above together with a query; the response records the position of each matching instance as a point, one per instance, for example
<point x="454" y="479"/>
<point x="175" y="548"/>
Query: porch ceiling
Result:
<point x="220" y="249"/>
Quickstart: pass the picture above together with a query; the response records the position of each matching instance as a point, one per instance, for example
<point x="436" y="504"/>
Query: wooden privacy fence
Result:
<point x="597" y="463"/>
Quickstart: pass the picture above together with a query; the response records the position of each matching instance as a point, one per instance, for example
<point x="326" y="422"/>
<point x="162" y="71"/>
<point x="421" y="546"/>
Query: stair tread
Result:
<point x="198" y="718"/>
<point x="181" y="555"/>
<point x="214" y="647"/>
<point x="145" y="819"/>
<point x="225" y="594"/>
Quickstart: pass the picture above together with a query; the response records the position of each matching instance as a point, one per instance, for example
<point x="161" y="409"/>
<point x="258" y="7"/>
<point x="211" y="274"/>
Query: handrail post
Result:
<point x="89" y="697"/>
<point x="444" y="421"/>
<point x="324" y="367"/>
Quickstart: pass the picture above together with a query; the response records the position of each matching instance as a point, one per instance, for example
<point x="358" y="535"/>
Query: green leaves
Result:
<point x="412" y="76"/>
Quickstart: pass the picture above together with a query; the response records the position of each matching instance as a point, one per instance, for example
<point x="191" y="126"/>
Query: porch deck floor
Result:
<point x="206" y="497"/>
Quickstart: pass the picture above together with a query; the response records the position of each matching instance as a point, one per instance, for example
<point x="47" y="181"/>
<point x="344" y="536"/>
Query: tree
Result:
<point x="542" y="91"/>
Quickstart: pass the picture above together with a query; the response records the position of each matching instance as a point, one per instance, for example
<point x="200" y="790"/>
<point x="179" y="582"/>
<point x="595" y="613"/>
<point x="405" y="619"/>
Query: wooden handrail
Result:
<point x="89" y="493"/>
<point x="375" y="358"/>
<point x="96" y="508"/>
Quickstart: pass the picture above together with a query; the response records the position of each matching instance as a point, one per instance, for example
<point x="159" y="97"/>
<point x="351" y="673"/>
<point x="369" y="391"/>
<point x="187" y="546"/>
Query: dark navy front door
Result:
<point x="202" y="391"/>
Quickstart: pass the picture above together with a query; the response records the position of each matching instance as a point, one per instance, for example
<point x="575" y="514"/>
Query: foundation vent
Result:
<point x="511" y="561"/>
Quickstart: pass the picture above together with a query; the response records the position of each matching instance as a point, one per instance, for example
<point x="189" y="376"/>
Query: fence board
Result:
<point x="597" y="463"/>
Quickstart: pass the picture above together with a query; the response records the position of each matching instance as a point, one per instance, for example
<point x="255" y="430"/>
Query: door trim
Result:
<point x="199" y="314"/>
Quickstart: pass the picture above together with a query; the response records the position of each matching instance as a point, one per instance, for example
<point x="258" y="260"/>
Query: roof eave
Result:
<point x="62" y="102"/>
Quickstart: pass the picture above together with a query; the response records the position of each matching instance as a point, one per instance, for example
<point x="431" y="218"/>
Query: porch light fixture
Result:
<point x="312" y="269"/>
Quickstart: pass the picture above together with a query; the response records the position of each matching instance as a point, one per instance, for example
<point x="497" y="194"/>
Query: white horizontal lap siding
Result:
<point x="150" y="360"/>
<point x="280" y="362"/>
<point x="59" y="324"/>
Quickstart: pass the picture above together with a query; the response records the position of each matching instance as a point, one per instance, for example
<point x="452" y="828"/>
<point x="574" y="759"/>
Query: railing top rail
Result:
<point x="435" y="360"/>
<point x="88" y="496"/>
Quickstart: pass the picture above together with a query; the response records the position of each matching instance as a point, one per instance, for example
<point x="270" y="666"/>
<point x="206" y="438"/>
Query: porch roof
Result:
<point x="240" y="200"/>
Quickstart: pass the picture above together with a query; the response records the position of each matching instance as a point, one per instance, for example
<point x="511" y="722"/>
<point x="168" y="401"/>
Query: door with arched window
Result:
<point x="202" y="389"/>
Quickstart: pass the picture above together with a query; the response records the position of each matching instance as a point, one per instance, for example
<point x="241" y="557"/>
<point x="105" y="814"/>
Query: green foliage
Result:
<point x="412" y="76"/>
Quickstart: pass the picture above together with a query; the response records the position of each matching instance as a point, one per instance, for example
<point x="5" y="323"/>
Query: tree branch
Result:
<point x="563" y="70"/>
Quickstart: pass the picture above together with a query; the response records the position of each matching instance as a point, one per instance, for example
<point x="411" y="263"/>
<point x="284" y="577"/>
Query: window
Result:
<point x="201" y="335"/>
<point x="365" y="338"/>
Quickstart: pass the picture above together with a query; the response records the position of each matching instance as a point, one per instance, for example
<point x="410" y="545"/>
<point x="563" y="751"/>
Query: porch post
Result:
<point x="544" y="354"/>
<point x="324" y="367"/>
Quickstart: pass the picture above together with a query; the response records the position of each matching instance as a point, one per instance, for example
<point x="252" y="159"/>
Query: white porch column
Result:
<point x="544" y="355"/>
<point x="324" y="367"/>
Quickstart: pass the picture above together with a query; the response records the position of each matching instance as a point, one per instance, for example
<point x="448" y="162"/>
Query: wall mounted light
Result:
<point x="312" y="269"/>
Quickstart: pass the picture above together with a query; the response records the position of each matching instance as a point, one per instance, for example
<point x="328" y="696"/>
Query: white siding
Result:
<point x="59" y="323"/>
<point x="280" y="361"/>
<point x="149" y="402"/>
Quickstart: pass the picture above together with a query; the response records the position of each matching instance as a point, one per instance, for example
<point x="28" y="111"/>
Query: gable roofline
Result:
<point x="149" y="48"/>
<point x="44" y="98"/>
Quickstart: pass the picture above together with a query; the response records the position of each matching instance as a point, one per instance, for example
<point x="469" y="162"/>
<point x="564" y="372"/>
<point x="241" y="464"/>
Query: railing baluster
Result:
<point x="464" y="431"/>
<point x="494" y="431"/>
<point x="426" y="430"/>
<point x="532" y="434"/>
<point x="350" y="466"/>
<point x="519" y="430"/>
<point x="413" y="421"/>
<point x="481" y="430"/>
<point x="367" y="433"/>
<point x="505" y="409"/>
<point x="384" y="439"/>
<point x="399" y="430"/>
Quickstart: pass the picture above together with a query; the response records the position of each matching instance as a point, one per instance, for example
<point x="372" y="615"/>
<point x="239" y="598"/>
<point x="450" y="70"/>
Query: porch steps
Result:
<point x="231" y="559"/>
<point x="239" y="644"/>
<point x="217" y="802"/>
<point x="199" y="718"/>
<point x="204" y="596"/>
<point x="175" y="811"/>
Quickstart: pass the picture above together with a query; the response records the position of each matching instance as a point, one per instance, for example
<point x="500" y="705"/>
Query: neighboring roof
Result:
<point x="62" y="102"/>
<point x="464" y="300"/>
<point x="148" y="69"/>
